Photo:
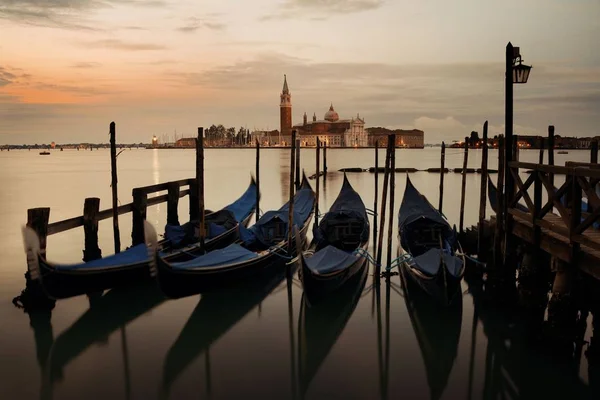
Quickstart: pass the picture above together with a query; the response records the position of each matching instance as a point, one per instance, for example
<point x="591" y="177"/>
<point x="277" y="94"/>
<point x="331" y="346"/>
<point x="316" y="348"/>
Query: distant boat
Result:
<point x="44" y="153"/>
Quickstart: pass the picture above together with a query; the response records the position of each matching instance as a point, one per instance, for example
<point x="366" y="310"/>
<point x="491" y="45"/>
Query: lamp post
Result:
<point x="514" y="73"/>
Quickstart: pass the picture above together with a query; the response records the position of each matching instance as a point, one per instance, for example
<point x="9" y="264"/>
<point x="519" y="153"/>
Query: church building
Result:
<point x="332" y="130"/>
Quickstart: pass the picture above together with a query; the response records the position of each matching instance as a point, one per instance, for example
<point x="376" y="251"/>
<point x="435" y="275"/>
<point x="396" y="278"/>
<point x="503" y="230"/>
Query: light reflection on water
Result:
<point x="260" y="339"/>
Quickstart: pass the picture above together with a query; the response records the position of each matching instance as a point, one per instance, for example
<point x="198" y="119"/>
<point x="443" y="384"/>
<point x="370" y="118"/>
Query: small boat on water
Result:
<point x="257" y="247"/>
<point x="44" y="153"/>
<point x="132" y="265"/>
<point x="339" y="240"/>
<point x="433" y="255"/>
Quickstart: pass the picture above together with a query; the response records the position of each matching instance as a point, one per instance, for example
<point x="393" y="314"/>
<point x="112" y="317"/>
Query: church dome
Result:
<point x="331" y="115"/>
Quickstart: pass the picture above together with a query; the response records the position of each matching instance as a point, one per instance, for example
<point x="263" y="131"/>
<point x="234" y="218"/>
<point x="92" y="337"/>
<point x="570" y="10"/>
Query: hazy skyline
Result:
<point x="70" y="67"/>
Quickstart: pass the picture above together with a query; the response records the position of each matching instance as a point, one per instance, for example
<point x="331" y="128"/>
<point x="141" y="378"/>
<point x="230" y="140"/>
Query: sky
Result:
<point x="70" y="67"/>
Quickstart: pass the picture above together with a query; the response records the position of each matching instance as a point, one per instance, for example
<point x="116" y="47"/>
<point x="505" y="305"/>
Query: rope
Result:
<point x="274" y="249"/>
<point x="474" y="260"/>
<point x="397" y="261"/>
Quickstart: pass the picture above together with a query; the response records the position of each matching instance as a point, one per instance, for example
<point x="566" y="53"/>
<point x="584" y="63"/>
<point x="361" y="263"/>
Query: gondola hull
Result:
<point x="443" y="288"/>
<point x="177" y="283"/>
<point x="318" y="286"/>
<point x="60" y="284"/>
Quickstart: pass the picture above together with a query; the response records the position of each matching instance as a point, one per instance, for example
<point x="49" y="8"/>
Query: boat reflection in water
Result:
<point x="321" y="324"/>
<point x="437" y="328"/>
<point x="215" y="314"/>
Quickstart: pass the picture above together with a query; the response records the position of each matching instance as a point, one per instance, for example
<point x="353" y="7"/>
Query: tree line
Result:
<point x="218" y="135"/>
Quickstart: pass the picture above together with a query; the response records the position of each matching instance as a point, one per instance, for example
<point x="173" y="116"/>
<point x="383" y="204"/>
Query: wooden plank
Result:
<point x="587" y="241"/>
<point x="163" y="186"/>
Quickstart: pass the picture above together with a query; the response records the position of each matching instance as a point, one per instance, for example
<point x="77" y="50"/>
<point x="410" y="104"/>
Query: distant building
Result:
<point x="154" y="141"/>
<point x="186" y="142"/>
<point x="413" y="138"/>
<point x="52" y="145"/>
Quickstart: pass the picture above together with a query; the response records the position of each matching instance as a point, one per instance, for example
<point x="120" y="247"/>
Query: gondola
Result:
<point x="216" y="313"/>
<point x="66" y="280"/>
<point x="433" y="255"/>
<point x="321" y="324"/>
<point x="336" y="251"/>
<point x="258" y="246"/>
<point x="437" y="330"/>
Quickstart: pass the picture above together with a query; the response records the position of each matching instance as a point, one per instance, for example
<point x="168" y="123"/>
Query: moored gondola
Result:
<point x="431" y="253"/>
<point x="336" y="252"/>
<point x="67" y="280"/>
<point x="257" y="247"/>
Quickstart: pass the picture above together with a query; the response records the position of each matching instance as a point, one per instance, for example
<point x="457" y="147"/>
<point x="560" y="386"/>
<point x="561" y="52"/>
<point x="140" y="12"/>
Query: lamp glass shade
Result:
<point x="521" y="73"/>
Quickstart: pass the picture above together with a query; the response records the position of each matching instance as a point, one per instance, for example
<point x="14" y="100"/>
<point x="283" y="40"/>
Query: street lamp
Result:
<point x="514" y="74"/>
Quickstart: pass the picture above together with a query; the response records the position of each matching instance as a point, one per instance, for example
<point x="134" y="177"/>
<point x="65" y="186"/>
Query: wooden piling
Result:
<point x="483" y="192"/>
<point x="464" y="185"/>
<point x="257" y="213"/>
<point x="91" y="208"/>
<point x="138" y="213"/>
<point x="594" y="152"/>
<point x="297" y="169"/>
<point x="291" y="201"/>
<point x="391" y="138"/>
<point x="551" y="153"/>
<point x="325" y="145"/>
<point x="37" y="219"/>
<point x="541" y="145"/>
<point x="442" y="170"/>
<point x="200" y="180"/>
<point x="172" y="203"/>
<point x="375" y="197"/>
<point x="386" y="175"/>
<point x="499" y="234"/>
<point x="318" y="167"/>
<point x="113" y="184"/>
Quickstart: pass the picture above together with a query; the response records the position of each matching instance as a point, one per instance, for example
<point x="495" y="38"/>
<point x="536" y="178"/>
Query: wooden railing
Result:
<point x="566" y="199"/>
<point x="38" y="218"/>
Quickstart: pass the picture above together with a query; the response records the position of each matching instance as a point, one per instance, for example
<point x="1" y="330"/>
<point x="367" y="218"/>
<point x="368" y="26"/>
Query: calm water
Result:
<point x="248" y="343"/>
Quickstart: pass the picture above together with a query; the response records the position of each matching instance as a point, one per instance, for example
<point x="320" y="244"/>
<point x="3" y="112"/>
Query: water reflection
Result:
<point x="320" y="325"/>
<point x="215" y="314"/>
<point x="437" y="329"/>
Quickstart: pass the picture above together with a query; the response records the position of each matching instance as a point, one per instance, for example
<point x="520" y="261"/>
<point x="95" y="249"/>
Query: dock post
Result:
<point x="91" y="208"/>
<point x="392" y="139"/>
<point x="562" y="314"/>
<point x="291" y="201"/>
<point x="113" y="185"/>
<point x="200" y="181"/>
<point x="464" y="185"/>
<point x="442" y="171"/>
<point x="37" y="219"/>
<point x="172" y="203"/>
<point x="140" y="205"/>
<point x="499" y="234"/>
<point x="386" y="176"/>
<point x="551" y="153"/>
<point x="325" y="145"/>
<point x="483" y="192"/>
<point x="257" y="214"/>
<point x="375" y="198"/>
<point x="541" y="145"/>
<point x="594" y="152"/>
<point x="318" y="166"/>
<point x="297" y="164"/>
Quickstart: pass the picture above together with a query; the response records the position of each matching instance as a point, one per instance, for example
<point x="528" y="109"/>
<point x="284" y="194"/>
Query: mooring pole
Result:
<point x="392" y="139"/>
<point x="91" y="208"/>
<point x="257" y="214"/>
<point x="297" y="164"/>
<point x="541" y="145"/>
<point x="464" y="185"/>
<point x="375" y="198"/>
<point x="325" y="146"/>
<point x="291" y="201"/>
<point x="200" y="181"/>
<point x="483" y="191"/>
<point x="317" y="186"/>
<point x="386" y="175"/>
<point x="113" y="184"/>
<point x="442" y="171"/>
<point x="499" y="236"/>
<point x="594" y="152"/>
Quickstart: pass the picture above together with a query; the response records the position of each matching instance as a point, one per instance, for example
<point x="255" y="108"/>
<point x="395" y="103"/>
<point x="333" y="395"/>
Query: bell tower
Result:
<point x="285" y="110"/>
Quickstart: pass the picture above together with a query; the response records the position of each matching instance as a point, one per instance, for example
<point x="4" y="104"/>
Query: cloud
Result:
<point x="193" y="24"/>
<point x="118" y="44"/>
<point x="63" y="14"/>
<point x="319" y="10"/>
<point x="86" y="65"/>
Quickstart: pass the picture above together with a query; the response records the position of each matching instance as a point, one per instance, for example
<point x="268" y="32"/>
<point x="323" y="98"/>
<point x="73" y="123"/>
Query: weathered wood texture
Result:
<point x="113" y="184"/>
<point x="91" y="208"/>
<point x="37" y="219"/>
<point x="464" y="186"/>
